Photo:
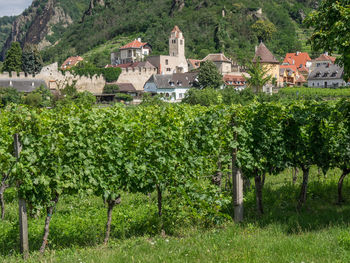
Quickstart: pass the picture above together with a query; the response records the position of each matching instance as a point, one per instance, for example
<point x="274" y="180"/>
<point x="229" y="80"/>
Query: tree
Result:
<point x="331" y="25"/>
<point x="31" y="60"/>
<point x="209" y="76"/>
<point x="263" y="30"/>
<point x="13" y="60"/>
<point x="9" y="95"/>
<point x="258" y="76"/>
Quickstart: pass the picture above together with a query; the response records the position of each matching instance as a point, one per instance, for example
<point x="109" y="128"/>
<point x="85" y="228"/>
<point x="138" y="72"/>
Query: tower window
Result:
<point x="166" y="62"/>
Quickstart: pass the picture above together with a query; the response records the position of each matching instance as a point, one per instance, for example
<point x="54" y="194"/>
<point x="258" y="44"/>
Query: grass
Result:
<point x="317" y="233"/>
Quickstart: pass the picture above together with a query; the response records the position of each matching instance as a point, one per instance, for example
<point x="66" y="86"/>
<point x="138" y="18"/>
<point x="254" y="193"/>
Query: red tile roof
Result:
<point x="265" y="55"/>
<point x="71" y="62"/>
<point x="234" y="80"/>
<point x="195" y="62"/>
<point x="325" y="57"/>
<point x="301" y="79"/>
<point x="292" y="67"/>
<point x="298" y="58"/>
<point x="134" y="44"/>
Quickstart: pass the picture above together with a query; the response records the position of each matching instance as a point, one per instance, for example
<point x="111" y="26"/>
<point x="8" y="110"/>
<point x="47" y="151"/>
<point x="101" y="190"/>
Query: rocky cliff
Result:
<point x="43" y="23"/>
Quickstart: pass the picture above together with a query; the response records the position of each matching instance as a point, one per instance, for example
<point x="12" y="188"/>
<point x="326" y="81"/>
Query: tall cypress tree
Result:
<point x="13" y="60"/>
<point x="32" y="62"/>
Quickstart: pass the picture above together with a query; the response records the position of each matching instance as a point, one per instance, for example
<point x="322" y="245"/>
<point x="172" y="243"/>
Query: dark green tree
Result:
<point x="209" y="76"/>
<point x="13" y="60"/>
<point x="263" y="30"/>
<point x="331" y="25"/>
<point x="31" y="60"/>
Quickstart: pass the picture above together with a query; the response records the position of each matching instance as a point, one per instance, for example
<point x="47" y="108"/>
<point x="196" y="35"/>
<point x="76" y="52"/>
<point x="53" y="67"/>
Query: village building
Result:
<point x="239" y="82"/>
<point x="136" y="73"/>
<point x="23" y="85"/>
<point x="71" y="62"/>
<point x="327" y="76"/>
<point x="171" y="86"/>
<point x="176" y="61"/>
<point x="270" y="64"/>
<point x="134" y="51"/>
<point x="323" y="60"/>
<point x="193" y="64"/>
<point x="290" y="76"/>
<point x="223" y="64"/>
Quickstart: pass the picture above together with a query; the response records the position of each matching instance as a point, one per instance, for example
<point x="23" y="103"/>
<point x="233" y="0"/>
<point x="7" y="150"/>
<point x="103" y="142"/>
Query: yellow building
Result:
<point x="270" y="63"/>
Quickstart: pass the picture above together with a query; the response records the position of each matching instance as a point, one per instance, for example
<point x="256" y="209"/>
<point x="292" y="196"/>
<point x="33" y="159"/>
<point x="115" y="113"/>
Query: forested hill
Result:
<point x="208" y="26"/>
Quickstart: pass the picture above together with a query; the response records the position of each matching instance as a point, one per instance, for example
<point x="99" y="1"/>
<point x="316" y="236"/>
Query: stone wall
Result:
<point x="136" y="76"/>
<point x="56" y="80"/>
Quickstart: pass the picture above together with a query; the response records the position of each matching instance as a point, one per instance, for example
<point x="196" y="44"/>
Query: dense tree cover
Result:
<point x="76" y="150"/>
<point x="263" y="30"/>
<point x="13" y="59"/>
<point x="31" y="60"/>
<point x="331" y="24"/>
<point x="88" y="69"/>
<point x="5" y="28"/>
<point x="209" y="76"/>
<point x="205" y="30"/>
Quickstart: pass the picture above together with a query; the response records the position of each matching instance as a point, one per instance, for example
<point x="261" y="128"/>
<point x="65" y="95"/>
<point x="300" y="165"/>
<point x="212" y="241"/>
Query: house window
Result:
<point x="168" y="69"/>
<point x="129" y="53"/>
<point x="166" y="62"/>
<point x="181" y="42"/>
<point x="180" y="95"/>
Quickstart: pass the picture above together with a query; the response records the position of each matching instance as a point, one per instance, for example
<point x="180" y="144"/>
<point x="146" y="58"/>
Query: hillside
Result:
<point x="43" y="23"/>
<point x="209" y="26"/>
<point x="5" y="28"/>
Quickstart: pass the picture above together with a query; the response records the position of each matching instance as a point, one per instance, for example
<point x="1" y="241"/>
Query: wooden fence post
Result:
<point x="238" y="194"/>
<point x="23" y="219"/>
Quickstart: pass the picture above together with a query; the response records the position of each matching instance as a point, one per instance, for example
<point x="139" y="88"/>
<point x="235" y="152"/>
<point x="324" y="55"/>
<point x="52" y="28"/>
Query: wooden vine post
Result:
<point x="237" y="183"/>
<point x="23" y="220"/>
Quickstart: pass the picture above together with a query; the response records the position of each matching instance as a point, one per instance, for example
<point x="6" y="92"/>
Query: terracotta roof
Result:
<point x="176" y="30"/>
<point x="325" y="57"/>
<point x="71" y="62"/>
<point x="235" y="79"/>
<point x="298" y="58"/>
<point x="134" y="44"/>
<point x="126" y="87"/>
<point x="301" y="78"/>
<point x="303" y="69"/>
<point x="265" y="55"/>
<point x="291" y="67"/>
<point x="194" y="62"/>
<point x="216" y="58"/>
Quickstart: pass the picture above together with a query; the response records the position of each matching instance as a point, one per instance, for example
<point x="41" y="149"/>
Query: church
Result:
<point x="176" y="61"/>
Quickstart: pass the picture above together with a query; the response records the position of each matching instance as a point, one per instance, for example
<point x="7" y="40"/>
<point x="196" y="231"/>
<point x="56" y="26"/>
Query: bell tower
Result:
<point x="176" y="43"/>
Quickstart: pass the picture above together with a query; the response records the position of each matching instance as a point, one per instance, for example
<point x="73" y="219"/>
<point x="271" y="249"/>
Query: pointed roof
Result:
<point x="177" y="31"/>
<point x="217" y="58"/>
<point x="265" y="55"/>
<point x="134" y="44"/>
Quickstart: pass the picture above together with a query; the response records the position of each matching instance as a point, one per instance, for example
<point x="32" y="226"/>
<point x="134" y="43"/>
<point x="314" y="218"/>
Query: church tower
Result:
<point x="176" y="43"/>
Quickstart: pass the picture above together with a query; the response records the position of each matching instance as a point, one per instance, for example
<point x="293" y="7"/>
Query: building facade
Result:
<point x="134" y="51"/>
<point x="172" y="87"/>
<point x="176" y="61"/>
<point x="326" y="76"/>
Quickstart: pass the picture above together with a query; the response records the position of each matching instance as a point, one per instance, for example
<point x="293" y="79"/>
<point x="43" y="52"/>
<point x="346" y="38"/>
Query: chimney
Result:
<point x="139" y="39"/>
<point x="326" y="53"/>
<point x="298" y="52"/>
<point x="256" y="48"/>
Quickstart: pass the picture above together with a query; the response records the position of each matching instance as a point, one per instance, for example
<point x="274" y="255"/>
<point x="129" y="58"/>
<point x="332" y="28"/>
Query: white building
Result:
<point x="326" y="76"/>
<point x="176" y="61"/>
<point x="131" y="52"/>
<point x="172" y="87"/>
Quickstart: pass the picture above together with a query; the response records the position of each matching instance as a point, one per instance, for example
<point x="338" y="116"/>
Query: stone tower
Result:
<point x="176" y="43"/>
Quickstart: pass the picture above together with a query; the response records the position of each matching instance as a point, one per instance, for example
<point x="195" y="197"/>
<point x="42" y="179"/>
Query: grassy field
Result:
<point x="317" y="233"/>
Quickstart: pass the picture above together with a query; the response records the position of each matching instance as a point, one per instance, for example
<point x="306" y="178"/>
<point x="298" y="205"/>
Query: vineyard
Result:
<point x="315" y="93"/>
<point x="173" y="155"/>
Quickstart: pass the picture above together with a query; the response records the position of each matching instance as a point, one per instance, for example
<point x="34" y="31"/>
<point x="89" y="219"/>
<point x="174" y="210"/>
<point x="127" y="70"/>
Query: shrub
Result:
<point x="123" y="96"/>
<point x="110" y="89"/>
